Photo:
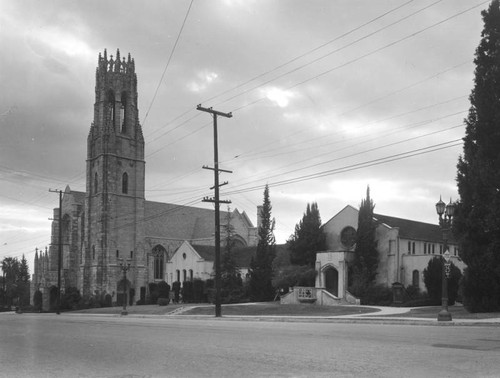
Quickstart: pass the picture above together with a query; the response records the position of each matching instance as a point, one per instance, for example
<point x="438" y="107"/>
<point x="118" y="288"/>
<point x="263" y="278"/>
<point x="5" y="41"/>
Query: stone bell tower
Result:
<point x="114" y="204"/>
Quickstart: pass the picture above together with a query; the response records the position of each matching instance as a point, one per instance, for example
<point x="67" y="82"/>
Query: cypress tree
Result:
<point x="364" y="267"/>
<point x="261" y="288"/>
<point x="308" y="238"/>
<point x="477" y="220"/>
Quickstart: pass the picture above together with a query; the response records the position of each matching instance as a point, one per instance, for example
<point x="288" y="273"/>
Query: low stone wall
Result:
<point x="310" y="295"/>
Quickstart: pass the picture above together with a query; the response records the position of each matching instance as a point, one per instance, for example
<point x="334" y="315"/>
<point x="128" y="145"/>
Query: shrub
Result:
<point x="413" y="292"/>
<point x="163" y="289"/>
<point x="70" y="299"/>
<point x="176" y="287"/>
<point x="294" y="275"/>
<point x="433" y="280"/>
<point x="163" y="301"/>
<point x="199" y="290"/>
<point x="187" y="291"/>
<point x="153" y="292"/>
<point x="379" y="295"/>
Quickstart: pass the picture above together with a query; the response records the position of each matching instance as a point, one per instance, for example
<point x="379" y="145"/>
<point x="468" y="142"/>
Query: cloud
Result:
<point x="278" y="96"/>
<point x="204" y="79"/>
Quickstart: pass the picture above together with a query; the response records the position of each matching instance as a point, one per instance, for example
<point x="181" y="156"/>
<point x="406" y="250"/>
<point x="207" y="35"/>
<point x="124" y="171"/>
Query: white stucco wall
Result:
<point x="348" y="216"/>
<point x="186" y="258"/>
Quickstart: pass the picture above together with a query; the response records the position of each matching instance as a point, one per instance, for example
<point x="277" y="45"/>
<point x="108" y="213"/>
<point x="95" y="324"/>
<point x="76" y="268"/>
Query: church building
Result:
<point x="111" y="221"/>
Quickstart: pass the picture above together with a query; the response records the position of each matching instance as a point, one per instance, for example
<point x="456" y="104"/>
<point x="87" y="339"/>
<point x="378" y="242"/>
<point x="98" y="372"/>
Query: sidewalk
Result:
<point x="384" y="315"/>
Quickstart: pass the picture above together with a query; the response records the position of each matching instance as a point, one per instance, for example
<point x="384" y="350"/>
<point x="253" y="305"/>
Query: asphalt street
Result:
<point x="49" y="345"/>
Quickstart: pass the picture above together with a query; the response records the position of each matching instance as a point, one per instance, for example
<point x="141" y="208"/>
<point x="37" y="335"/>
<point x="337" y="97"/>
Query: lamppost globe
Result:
<point x="450" y="209"/>
<point x="440" y="207"/>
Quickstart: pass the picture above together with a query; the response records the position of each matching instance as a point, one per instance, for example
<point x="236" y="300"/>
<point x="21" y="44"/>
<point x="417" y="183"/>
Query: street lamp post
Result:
<point x="445" y="213"/>
<point x="125" y="267"/>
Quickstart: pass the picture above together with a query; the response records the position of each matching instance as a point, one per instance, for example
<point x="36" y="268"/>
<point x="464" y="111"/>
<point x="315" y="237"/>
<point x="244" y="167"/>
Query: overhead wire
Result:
<point x="168" y="62"/>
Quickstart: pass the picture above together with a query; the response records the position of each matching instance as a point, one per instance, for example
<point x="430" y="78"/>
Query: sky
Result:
<point x="327" y="97"/>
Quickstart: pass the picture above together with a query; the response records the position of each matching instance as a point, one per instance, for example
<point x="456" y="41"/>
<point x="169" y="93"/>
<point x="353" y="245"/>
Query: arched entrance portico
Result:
<point x="332" y="280"/>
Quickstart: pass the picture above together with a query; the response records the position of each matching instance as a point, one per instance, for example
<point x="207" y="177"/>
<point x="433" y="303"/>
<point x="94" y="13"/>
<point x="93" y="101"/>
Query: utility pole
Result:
<point x="59" y="254"/>
<point x="217" y="202"/>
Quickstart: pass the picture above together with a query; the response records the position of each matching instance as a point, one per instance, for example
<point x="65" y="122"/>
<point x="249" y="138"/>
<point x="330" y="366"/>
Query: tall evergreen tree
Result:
<point x="477" y="220"/>
<point x="10" y="268"/>
<point x="261" y="288"/>
<point x="308" y="238"/>
<point x="364" y="266"/>
<point x="230" y="272"/>
<point x="23" y="282"/>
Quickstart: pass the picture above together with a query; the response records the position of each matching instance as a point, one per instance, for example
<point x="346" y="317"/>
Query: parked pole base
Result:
<point x="444" y="316"/>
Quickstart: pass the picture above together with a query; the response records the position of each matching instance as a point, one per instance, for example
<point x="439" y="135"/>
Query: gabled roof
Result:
<point x="414" y="230"/>
<point x="78" y="197"/>
<point x="179" y="222"/>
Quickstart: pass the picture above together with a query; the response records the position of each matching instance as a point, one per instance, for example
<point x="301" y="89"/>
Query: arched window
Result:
<point x="123" y="127"/>
<point x="178" y="274"/>
<point x="184" y="275"/>
<point x="93" y="252"/>
<point x="191" y="275"/>
<point x="415" y="278"/>
<point x="111" y="106"/>
<point x="96" y="183"/>
<point x="125" y="183"/>
<point x="159" y="262"/>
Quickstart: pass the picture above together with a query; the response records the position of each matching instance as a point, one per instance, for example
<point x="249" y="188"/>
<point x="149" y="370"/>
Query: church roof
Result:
<point x="414" y="230"/>
<point x="79" y="197"/>
<point x="179" y="222"/>
<point x="241" y="256"/>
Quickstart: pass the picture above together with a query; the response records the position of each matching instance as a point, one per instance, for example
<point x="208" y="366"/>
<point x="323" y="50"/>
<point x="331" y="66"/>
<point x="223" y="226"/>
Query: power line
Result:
<point x="168" y="62"/>
<point x="366" y="55"/>
<point x="352" y="167"/>
<point x="285" y="64"/>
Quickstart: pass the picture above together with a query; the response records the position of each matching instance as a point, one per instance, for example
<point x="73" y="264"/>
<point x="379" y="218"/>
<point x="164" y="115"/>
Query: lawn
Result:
<point x="277" y="309"/>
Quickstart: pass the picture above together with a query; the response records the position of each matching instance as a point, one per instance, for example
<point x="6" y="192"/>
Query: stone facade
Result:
<point x="112" y="221"/>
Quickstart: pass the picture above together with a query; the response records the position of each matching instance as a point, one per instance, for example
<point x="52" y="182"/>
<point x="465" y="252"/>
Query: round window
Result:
<point x="184" y="256"/>
<point x="348" y="236"/>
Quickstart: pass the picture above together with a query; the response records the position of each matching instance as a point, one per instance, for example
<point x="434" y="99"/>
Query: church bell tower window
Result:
<point x="125" y="183"/>
<point x="123" y="125"/>
<point x="111" y="107"/>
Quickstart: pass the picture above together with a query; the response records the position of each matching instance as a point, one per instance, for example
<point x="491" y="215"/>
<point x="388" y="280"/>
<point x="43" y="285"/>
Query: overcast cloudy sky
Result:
<point x="327" y="97"/>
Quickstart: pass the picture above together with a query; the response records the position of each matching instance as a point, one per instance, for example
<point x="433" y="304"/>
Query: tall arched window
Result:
<point x="96" y="183"/>
<point x="93" y="252"/>
<point x="123" y="107"/>
<point x="111" y="107"/>
<point x="159" y="262"/>
<point x="415" y="278"/>
<point x="125" y="183"/>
